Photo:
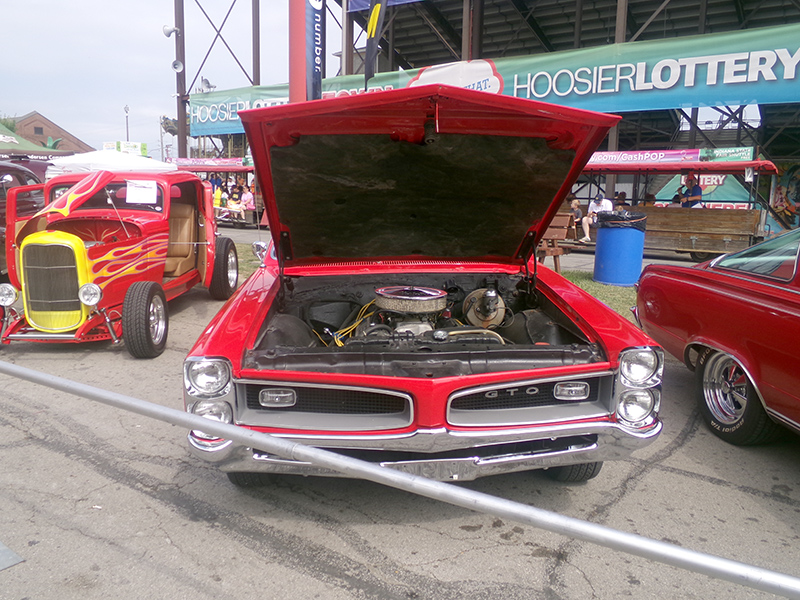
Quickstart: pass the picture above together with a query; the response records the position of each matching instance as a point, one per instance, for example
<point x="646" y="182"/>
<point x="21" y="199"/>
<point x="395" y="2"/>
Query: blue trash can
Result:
<point x="620" y="247"/>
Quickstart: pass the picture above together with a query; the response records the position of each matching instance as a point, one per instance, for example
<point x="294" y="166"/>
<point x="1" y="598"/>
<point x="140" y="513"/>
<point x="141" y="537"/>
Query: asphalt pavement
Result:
<point x="97" y="503"/>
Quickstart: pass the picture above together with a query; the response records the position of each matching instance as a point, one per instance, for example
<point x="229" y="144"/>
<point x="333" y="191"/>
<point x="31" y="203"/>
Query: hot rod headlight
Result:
<point x="90" y="294"/>
<point x="640" y="367"/>
<point x="8" y="295"/>
<point x="207" y="377"/>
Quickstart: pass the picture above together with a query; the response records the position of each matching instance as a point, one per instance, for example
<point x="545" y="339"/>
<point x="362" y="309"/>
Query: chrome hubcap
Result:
<point x="158" y="320"/>
<point x="725" y="388"/>
<point x="233" y="269"/>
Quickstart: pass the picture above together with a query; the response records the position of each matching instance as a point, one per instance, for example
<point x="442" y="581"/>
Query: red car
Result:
<point x="735" y="321"/>
<point x="402" y="317"/>
<point x="106" y="253"/>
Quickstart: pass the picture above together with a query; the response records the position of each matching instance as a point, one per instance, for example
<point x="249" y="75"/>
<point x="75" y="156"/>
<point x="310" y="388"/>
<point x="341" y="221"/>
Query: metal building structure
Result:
<point x="422" y="33"/>
<point x="431" y="32"/>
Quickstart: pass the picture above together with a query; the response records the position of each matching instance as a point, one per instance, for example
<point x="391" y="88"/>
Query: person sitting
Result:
<point x="621" y="201"/>
<point x="598" y="205"/>
<point x="248" y="199"/>
<point x="235" y="206"/>
<point x="693" y="196"/>
<point x="649" y="200"/>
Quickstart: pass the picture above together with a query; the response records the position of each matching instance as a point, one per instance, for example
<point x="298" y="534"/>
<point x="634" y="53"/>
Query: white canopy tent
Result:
<point x="106" y="160"/>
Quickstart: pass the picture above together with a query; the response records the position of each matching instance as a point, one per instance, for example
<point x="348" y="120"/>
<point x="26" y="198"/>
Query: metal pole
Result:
<point x="346" y="61"/>
<point x="466" y="28"/>
<point x="180" y="77"/>
<point x="256" y="43"/>
<point x="707" y="564"/>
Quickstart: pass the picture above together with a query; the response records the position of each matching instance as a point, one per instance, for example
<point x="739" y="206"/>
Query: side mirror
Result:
<point x="7" y="178"/>
<point x="260" y="249"/>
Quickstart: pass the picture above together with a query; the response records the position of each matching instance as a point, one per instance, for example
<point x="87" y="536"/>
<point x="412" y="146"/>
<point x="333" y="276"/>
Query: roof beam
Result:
<point x="649" y="20"/>
<point x="440" y="26"/>
<point x="526" y="15"/>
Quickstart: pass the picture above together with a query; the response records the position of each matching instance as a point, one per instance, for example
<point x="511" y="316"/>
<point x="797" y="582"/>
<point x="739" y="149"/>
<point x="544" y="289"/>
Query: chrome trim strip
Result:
<point x="783" y="419"/>
<point x="754" y="277"/>
<point x="293" y="419"/>
<point x="38" y="335"/>
<point x="355" y="388"/>
<point x="559" y="410"/>
<point x="507" y="384"/>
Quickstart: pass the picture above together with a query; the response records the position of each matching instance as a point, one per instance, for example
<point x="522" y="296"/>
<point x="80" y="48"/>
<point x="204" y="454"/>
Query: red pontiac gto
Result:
<point x="106" y="253"/>
<point x="400" y="315"/>
<point x="736" y="322"/>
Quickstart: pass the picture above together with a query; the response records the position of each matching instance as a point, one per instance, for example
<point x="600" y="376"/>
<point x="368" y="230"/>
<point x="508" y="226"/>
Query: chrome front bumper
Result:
<point x="592" y="443"/>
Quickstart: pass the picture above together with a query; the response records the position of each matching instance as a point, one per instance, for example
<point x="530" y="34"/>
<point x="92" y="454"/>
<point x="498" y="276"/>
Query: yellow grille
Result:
<point x="54" y="266"/>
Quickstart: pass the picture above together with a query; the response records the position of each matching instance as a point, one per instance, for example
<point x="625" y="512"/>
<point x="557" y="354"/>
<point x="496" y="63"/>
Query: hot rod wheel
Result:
<point x="225" y="276"/>
<point x="145" y="322"/>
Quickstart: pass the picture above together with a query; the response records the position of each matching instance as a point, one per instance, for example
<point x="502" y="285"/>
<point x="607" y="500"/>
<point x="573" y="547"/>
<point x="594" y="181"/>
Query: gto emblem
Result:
<point x="530" y="391"/>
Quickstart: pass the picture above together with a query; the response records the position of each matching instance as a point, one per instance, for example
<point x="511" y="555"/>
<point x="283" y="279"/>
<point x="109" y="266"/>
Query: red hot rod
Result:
<point x="106" y="253"/>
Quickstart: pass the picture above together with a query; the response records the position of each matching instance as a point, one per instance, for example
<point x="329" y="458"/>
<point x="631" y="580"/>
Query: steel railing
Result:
<point x="698" y="562"/>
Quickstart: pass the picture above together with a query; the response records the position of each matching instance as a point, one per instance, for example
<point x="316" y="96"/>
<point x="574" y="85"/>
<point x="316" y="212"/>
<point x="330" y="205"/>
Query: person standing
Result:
<point x="577" y="214"/>
<point x="598" y="205"/>
<point x="215" y="181"/>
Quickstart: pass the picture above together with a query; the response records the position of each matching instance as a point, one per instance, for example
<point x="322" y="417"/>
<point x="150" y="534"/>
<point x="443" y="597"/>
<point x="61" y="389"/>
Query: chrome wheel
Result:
<point x="725" y="387"/>
<point x="145" y="321"/>
<point x="233" y="269"/>
<point x="225" y="274"/>
<point x="158" y="320"/>
<point x="729" y="403"/>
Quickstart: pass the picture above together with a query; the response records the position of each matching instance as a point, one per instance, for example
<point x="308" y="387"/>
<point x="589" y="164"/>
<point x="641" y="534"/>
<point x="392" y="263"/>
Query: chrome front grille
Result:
<point x="326" y="408"/>
<point x="530" y="395"/>
<point x="531" y="402"/>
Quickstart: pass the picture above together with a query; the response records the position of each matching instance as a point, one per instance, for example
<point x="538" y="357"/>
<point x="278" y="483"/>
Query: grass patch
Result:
<point x="618" y="298"/>
<point x="248" y="262"/>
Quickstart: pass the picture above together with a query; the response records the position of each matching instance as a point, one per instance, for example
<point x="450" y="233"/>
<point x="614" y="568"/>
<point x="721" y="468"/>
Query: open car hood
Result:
<point x="432" y="172"/>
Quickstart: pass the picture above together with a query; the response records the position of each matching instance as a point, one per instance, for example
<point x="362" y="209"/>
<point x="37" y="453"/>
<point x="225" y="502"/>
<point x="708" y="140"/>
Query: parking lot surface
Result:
<point x="102" y="503"/>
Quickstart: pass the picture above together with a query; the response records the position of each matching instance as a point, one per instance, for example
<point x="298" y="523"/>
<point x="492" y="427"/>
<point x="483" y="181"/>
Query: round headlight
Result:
<point x="207" y="377"/>
<point x="90" y="294"/>
<point x="638" y="367"/>
<point x="636" y="405"/>
<point x="213" y="410"/>
<point x="8" y="295"/>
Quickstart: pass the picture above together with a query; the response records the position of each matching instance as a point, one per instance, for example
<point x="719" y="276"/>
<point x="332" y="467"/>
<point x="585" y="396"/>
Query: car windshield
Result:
<point x="130" y="195"/>
<point x="776" y="257"/>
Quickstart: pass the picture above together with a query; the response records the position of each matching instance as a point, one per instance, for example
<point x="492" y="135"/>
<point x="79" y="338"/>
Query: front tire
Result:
<point x="729" y="403"/>
<point x="225" y="276"/>
<point x="575" y="473"/>
<point x="145" y="322"/>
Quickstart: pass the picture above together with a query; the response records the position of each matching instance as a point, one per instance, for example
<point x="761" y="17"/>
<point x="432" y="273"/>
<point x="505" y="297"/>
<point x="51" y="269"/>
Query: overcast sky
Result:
<point x="80" y="62"/>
